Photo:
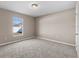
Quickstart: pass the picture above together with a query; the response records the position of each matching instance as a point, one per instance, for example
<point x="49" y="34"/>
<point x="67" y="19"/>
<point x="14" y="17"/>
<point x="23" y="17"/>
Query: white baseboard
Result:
<point x="16" y="41"/>
<point x="37" y="37"/>
<point x="56" y="41"/>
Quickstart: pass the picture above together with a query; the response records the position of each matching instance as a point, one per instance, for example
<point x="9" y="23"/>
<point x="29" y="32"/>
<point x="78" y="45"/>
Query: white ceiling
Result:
<point x="44" y="8"/>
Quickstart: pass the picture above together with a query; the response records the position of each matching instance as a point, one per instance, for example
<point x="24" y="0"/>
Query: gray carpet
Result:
<point x="37" y="48"/>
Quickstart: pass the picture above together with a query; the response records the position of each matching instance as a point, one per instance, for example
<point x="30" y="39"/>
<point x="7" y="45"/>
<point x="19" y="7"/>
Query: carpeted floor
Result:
<point x="37" y="48"/>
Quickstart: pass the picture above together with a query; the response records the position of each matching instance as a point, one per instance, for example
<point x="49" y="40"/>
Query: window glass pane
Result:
<point x="17" y="25"/>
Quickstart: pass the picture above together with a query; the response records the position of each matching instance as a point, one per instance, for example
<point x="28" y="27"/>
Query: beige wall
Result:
<point x="6" y="34"/>
<point x="59" y="26"/>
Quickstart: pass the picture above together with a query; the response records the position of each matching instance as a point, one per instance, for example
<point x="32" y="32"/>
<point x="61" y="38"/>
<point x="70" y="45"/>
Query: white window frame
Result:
<point x="22" y="27"/>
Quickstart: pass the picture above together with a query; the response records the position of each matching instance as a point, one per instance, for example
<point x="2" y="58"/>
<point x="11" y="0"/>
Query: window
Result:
<point x="17" y="25"/>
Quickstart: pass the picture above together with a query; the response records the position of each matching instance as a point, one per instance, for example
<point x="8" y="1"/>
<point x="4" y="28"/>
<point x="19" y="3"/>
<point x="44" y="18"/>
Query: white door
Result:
<point x="77" y="28"/>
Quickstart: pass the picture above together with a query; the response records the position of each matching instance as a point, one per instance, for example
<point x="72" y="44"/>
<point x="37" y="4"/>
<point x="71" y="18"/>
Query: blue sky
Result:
<point x="16" y="20"/>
